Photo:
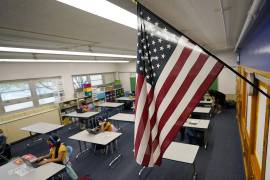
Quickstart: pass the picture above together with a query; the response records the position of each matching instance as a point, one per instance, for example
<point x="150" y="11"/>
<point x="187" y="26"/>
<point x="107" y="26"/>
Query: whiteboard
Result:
<point x="125" y="80"/>
<point x="267" y="170"/>
<point x="261" y="122"/>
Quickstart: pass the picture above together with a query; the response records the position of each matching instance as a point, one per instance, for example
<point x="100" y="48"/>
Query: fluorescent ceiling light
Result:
<point x="63" y="61"/>
<point x="106" y="10"/>
<point x="57" y="52"/>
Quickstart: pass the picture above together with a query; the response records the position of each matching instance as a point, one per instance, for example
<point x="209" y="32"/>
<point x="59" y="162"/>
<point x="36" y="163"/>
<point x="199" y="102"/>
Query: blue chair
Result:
<point x="70" y="151"/>
<point x="70" y="171"/>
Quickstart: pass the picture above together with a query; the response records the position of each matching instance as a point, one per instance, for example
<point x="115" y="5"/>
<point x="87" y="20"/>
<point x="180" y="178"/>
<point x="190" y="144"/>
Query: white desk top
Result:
<point x="123" y="117"/>
<point x="202" y="110"/>
<point x="202" y="123"/>
<point x="41" y="127"/>
<point x="206" y="102"/>
<point x="181" y="152"/>
<point x="81" y="115"/>
<point x="41" y="173"/>
<point x="110" y="104"/>
<point x="102" y="138"/>
<point x="125" y="99"/>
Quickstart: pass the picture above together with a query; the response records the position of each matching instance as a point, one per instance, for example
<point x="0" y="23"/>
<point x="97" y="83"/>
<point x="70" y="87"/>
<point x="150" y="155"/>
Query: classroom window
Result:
<point x="22" y="94"/>
<point x="96" y="80"/>
<point x="46" y="90"/>
<point x="11" y="91"/>
<point x="18" y="106"/>
<point x="45" y="87"/>
<point x="78" y="81"/>
<point x="47" y="100"/>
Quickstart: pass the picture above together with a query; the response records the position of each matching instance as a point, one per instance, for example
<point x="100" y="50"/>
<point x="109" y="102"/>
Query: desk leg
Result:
<point x="141" y="170"/>
<point x="81" y="151"/>
<point x="194" y="174"/>
<point x="117" y="156"/>
<point x="115" y="159"/>
<point x="34" y="141"/>
<point x="205" y="138"/>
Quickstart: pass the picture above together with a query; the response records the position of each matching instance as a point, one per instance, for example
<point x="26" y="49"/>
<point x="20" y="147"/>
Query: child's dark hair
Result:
<point x="56" y="141"/>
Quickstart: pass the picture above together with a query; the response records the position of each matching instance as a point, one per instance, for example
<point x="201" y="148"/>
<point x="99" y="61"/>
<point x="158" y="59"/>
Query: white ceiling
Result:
<point x="53" y="25"/>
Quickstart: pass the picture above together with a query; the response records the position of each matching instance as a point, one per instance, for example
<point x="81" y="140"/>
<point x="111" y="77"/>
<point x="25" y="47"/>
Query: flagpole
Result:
<point x="218" y="59"/>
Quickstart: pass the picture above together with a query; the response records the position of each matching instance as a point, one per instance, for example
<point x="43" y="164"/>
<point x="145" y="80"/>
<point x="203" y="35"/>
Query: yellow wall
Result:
<point x="13" y="122"/>
<point x="253" y="121"/>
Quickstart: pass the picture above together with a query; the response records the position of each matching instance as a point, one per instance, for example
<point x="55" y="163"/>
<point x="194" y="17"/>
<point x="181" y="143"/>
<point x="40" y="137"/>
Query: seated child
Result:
<point x="84" y="107"/>
<point x="107" y="126"/>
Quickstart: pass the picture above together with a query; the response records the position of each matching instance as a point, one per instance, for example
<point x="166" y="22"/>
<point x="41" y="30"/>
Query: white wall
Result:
<point x="226" y="78"/>
<point x="124" y="74"/>
<point x="13" y="71"/>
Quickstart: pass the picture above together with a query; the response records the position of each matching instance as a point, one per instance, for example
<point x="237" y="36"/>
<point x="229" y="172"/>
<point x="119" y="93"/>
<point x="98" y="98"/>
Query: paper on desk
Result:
<point x="22" y="170"/>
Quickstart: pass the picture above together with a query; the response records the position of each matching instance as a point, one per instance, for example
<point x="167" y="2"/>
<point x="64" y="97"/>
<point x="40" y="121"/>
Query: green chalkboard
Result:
<point x="132" y="83"/>
<point x="214" y="85"/>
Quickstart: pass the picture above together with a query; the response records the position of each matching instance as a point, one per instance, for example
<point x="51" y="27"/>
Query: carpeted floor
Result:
<point x="222" y="160"/>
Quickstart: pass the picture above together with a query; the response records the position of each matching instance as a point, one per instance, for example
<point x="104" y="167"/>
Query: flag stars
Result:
<point x="165" y="29"/>
<point x="140" y="51"/>
<point x="141" y="13"/>
<point x="148" y="18"/>
<point x="153" y="42"/>
<point x="155" y="50"/>
<point x="142" y="40"/>
<point x="168" y="46"/>
<point x="141" y="68"/>
<point x="163" y="56"/>
<point x="161" y="48"/>
<point x="158" y="65"/>
<point x="144" y="47"/>
<point x="159" y="40"/>
<point x="154" y="74"/>
<point x="138" y="62"/>
<point x="156" y="23"/>
<point x="151" y="34"/>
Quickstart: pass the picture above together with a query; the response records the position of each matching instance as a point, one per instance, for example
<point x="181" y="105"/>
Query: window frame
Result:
<point x="34" y="96"/>
<point x="88" y="76"/>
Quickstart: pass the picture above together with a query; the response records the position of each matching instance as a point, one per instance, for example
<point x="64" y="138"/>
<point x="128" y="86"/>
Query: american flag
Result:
<point x="172" y="75"/>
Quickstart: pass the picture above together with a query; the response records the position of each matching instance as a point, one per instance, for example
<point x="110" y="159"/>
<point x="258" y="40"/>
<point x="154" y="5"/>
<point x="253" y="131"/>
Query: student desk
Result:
<point x="110" y="104"/>
<point x="7" y="171"/>
<point x="180" y="152"/>
<point x="117" y="106"/>
<point x="206" y="103"/>
<point x="102" y="138"/>
<point x="123" y="117"/>
<point x="85" y="115"/>
<point x="41" y="128"/>
<point x="128" y="101"/>
<point x="201" y="124"/>
<point x="203" y="111"/>
<point x="125" y="99"/>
